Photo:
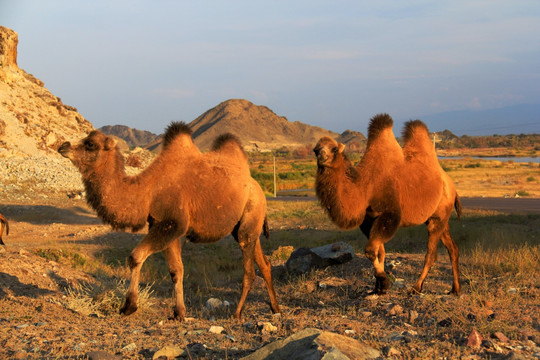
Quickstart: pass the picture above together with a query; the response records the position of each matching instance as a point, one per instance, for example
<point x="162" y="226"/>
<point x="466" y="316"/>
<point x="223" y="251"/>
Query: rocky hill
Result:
<point x="33" y="122"/>
<point x="133" y="137"/>
<point x="258" y="127"/>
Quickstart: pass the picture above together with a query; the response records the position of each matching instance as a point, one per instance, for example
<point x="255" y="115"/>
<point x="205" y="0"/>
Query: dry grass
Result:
<point x="492" y="178"/>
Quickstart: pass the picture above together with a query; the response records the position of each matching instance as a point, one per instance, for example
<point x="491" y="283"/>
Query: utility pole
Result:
<point x="275" y="183"/>
<point x="435" y="140"/>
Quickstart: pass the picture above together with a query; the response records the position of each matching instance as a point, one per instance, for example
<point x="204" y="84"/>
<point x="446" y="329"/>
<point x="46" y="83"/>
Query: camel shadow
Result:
<point x="11" y="284"/>
<point x="47" y="214"/>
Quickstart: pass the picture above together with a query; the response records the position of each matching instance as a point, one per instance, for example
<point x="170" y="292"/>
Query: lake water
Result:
<point x="504" y="159"/>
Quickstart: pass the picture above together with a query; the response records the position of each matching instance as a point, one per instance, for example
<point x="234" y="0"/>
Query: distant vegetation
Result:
<point x="450" y="141"/>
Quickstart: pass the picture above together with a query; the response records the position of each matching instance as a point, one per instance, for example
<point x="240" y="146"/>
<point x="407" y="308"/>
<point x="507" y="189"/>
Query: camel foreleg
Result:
<point x="383" y="229"/>
<point x="173" y="255"/>
<point x="159" y="237"/>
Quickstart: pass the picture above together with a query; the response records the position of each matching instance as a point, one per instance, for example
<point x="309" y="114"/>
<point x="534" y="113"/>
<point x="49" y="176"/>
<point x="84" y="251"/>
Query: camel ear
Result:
<point x="341" y="147"/>
<point x="110" y="143"/>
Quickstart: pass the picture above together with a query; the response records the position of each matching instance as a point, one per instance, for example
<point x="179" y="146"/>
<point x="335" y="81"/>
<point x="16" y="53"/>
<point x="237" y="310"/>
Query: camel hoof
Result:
<point x="454" y="292"/>
<point x="178" y="316"/>
<point x="128" y="308"/>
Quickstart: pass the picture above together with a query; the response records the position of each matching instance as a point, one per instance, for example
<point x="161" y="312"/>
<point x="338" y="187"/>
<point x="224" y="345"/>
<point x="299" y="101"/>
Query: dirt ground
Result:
<point x="37" y="321"/>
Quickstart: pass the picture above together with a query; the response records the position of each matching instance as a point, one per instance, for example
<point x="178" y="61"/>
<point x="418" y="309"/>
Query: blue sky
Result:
<point x="332" y="64"/>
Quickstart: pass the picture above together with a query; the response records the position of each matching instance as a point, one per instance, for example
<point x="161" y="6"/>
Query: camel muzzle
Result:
<point x="64" y="149"/>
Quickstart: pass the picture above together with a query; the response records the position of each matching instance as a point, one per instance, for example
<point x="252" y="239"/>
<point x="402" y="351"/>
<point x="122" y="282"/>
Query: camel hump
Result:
<point x="414" y="128"/>
<point x="378" y="123"/>
<point x="225" y="141"/>
<point x="173" y="130"/>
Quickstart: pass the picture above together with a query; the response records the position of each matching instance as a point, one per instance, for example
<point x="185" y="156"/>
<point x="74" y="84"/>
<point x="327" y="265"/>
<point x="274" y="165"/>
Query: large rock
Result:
<point x="315" y="344"/>
<point x="303" y="260"/>
<point x="33" y="122"/>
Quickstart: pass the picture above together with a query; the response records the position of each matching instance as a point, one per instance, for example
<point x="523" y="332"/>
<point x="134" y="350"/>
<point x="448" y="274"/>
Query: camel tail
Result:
<point x="173" y="130"/>
<point x="266" y="228"/>
<point x="378" y="123"/>
<point x="457" y="206"/>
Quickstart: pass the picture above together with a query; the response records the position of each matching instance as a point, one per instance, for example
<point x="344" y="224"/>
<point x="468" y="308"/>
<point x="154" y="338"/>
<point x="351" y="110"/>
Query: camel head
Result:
<point x="90" y="152"/>
<point x="326" y="151"/>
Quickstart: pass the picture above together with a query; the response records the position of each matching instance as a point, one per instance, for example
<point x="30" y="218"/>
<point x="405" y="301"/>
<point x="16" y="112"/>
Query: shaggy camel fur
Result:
<point x="391" y="187"/>
<point x="3" y="223"/>
<point x="183" y="192"/>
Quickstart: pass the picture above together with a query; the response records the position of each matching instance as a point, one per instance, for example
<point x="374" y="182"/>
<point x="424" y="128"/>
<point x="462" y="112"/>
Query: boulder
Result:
<point x="315" y="344"/>
<point x="303" y="260"/>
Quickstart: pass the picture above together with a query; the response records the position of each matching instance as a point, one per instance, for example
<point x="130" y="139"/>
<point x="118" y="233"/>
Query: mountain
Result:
<point x="33" y="122"/>
<point x="257" y="126"/>
<point x="133" y="137"/>
<point x="517" y="119"/>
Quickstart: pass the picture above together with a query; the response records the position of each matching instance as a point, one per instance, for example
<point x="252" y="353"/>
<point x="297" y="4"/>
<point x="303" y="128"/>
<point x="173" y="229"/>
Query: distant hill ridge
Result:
<point x="257" y="127"/>
<point x="133" y="137"/>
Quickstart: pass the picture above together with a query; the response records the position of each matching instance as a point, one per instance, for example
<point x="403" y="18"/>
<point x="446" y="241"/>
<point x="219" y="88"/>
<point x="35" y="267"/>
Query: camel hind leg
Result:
<point x="266" y="270"/>
<point x="440" y="229"/>
<point x="453" y="252"/>
<point x="247" y="234"/>
<point x="252" y="253"/>
<point x="435" y="229"/>
<point x="159" y="238"/>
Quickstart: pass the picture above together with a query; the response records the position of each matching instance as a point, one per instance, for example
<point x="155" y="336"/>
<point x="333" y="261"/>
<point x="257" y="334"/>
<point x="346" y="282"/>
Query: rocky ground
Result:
<point x="45" y="311"/>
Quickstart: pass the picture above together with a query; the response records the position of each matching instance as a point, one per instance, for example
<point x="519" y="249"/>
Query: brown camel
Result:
<point x="183" y="192"/>
<point x="391" y="187"/>
<point x="3" y="223"/>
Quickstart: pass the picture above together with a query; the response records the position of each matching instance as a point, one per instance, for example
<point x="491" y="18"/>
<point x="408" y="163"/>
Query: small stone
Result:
<point x="445" y="322"/>
<point x="395" y="310"/>
<point x="266" y="327"/>
<point x="413" y="315"/>
<point x="130" y="347"/>
<point x="500" y="336"/>
<point x="216" y="329"/>
<point x="213" y="304"/>
<point x="391" y="351"/>
<point x="169" y="352"/>
<point x="474" y="340"/>
<point x="350" y="332"/>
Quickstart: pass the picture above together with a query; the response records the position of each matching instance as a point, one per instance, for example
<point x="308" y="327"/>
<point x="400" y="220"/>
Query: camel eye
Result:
<point x="334" y="150"/>
<point x="90" y="145"/>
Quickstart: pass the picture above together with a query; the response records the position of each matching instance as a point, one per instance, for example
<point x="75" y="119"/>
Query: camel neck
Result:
<point x="118" y="199"/>
<point x="339" y="191"/>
